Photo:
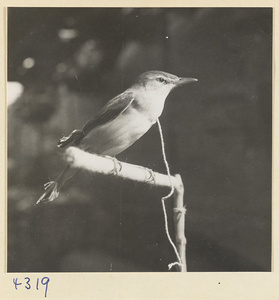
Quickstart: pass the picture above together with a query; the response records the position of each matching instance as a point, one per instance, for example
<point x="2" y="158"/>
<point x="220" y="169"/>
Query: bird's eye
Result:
<point x="161" y="79"/>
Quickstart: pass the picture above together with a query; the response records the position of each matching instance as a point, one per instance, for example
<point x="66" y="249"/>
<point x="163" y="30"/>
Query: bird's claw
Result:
<point x="117" y="166"/>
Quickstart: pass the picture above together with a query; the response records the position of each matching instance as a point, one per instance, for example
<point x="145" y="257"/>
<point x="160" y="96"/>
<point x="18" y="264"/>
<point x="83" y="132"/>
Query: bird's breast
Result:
<point x="117" y="135"/>
<point x="114" y="137"/>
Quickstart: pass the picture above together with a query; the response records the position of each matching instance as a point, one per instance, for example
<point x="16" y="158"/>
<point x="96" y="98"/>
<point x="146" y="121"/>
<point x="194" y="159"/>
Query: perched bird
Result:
<point x="120" y="123"/>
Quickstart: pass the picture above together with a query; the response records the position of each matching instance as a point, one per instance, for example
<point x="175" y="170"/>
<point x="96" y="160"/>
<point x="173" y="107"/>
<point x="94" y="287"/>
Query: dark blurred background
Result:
<point x="64" y="64"/>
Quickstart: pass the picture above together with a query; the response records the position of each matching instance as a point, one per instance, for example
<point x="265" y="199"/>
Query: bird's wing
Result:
<point x="113" y="109"/>
<point x="109" y="112"/>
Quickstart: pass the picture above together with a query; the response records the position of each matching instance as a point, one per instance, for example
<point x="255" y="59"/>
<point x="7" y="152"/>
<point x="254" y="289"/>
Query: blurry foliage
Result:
<point x="218" y="137"/>
<point x="36" y="105"/>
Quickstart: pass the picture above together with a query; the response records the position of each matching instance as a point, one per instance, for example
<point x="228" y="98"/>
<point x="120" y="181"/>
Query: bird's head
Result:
<point x="152" y="88"/>
<point x="158" y="80"/>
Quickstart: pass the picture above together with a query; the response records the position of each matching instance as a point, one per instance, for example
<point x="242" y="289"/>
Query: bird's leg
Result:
<point x="117" y="165"/>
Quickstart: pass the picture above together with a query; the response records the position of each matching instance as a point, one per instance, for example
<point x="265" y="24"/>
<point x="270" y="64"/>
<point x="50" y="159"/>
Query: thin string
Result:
<point x="166" y="197"/>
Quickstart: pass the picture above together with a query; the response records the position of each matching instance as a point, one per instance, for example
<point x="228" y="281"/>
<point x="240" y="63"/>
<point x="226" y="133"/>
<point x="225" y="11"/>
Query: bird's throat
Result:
<point x="151" y="103"/>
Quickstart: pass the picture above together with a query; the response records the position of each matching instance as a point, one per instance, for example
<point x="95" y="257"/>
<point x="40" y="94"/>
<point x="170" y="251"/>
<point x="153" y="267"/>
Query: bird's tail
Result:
<point x="52" y="188"/>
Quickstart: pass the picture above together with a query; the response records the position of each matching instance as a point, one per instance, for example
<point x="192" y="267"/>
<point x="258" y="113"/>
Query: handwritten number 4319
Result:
<point x="44" y="281"/>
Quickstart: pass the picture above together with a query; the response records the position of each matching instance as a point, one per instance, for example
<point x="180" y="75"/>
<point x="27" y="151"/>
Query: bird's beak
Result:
<point x="182" y="80"/>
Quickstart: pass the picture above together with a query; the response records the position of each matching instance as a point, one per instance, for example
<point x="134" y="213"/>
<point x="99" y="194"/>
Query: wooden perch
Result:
<point x="108" y="165"/>
<point x="77" y="158"/>
<point x="179" y="212"/>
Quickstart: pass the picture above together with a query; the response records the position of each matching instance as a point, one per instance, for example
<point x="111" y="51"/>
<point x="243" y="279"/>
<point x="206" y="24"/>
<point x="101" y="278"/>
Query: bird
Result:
<point x="120" y="123"/>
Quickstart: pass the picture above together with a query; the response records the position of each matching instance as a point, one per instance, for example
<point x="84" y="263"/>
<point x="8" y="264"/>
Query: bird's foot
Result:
<point x="117" y="166"/>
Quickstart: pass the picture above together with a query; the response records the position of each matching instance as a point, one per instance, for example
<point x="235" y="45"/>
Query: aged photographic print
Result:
<point x="139" y="139"/>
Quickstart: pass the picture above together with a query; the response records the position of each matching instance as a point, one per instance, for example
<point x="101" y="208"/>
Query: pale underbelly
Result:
<point x="117" y="135"/>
